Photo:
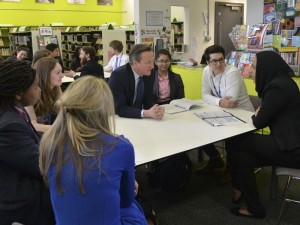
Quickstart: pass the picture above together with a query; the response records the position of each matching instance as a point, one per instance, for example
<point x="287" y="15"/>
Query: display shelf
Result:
<point x="178" y="33"/>
<point x="4" y="42"/>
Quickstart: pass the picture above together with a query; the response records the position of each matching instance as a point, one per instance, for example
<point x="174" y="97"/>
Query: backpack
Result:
<point x="171" y="174"/>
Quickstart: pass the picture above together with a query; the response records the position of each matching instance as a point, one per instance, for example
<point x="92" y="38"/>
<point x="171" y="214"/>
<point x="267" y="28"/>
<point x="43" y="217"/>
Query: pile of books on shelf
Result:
<point x="245" y="37"/>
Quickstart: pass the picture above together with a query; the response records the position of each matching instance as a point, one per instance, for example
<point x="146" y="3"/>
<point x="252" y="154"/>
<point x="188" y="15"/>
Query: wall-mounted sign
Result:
<point x="154" y="18"/>
<point x="46" y="31"/>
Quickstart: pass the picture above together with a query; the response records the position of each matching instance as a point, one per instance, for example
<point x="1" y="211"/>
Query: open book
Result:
<point x="180" y="105"/>
<point x="219" y="118"/>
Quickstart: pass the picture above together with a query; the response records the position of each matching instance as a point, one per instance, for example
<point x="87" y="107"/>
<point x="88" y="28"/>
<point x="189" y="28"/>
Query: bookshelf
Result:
<point x="70" y="41"/>
<point x="130" y="40"/>
<point x="4" y="42"/>
<point x="291" y="56"/>
<point x="178" y="32"/>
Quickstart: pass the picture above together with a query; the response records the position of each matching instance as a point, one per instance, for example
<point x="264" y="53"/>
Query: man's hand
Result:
<point x="156" y="112"/>
<point x="227" y="102"/>
<point x="70" y="73"/>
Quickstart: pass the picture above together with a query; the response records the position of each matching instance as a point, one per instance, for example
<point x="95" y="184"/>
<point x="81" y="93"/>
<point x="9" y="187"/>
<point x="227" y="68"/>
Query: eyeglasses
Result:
<point x="164" y="62"/>
<point x="253" y="67"/>
<point x="215" y="61"/>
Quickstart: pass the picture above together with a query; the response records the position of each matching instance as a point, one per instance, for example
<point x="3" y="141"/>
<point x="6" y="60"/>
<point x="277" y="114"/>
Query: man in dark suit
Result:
<point x="127" y="81"/>
<point x="23" y="196"/>
<point x="90" y="66"/>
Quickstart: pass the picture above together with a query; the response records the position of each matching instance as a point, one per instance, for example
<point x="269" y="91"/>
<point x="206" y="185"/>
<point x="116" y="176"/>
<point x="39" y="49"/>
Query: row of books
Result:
<point x="242" y="60"/>
<point x="291" y="58"/>
<point x="4" y="52"/>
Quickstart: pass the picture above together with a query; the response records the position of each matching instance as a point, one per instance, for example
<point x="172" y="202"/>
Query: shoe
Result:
<point x="213" y="163"/>
<point x="236" y="211"/>
<point x="237" y="201"/>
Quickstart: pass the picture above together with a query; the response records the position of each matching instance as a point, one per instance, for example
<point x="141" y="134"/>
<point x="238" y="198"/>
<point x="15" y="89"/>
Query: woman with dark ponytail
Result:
<point x="23" y="196"/>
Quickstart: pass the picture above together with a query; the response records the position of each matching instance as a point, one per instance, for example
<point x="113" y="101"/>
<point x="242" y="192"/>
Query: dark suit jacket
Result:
<point x="280" y="110"/>
<point x="91" y="67"/>
<point x="175" y="82"/>
<point x="122" y="85"/>
<point x="22" y="190"/>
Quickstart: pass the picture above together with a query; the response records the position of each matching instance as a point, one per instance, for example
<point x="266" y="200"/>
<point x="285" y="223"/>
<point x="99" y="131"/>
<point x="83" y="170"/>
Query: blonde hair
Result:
<point x="85" y="109"/>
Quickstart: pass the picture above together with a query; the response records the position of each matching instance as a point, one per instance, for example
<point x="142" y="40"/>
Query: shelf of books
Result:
<point x="178" y="32"/>
<point x="130" y="40"/>
<point x="242" y="60"/>
<point x="4" y="42"/>
<point x="72" y="40"/>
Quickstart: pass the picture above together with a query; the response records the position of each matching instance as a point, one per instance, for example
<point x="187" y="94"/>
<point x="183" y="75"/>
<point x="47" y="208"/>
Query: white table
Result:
<point x="68" y="79"/>
<point x="155" y="139"/>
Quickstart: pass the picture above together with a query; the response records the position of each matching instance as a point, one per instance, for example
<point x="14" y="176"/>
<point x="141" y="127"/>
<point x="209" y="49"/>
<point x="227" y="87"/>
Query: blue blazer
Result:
<point x="21" y="185"/>
<point x="122" y="85"/>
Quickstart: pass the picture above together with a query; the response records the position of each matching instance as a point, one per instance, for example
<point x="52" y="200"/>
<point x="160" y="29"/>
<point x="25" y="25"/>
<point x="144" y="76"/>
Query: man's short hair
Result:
<point x="213" y="49"/>
<point x="51" y="47"/>
<point x="89" y="50"/>
<point x="136" y="51"/>
<point x="116" y="45"/>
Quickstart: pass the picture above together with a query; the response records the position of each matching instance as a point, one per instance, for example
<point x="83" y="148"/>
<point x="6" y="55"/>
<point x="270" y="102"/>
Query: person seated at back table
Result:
<point x="38" y="55"/>
<point x="55" y="53"/>
<point x="89" y="65"/>
<point x="223" y="86"/>
<point x="118" y="59"/>
<point x="133" y="97"/>
<point x="23" y="196"/>
<point x="20" y="54"/>
<point x="76" y="62"/>
<point x="280" y="111"/>
<point x="167" y="85"/>
<point x="42" y="114"/>
<point x="90" y="170"/>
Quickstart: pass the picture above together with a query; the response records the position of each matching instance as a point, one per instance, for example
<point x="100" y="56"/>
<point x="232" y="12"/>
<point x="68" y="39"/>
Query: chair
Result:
<point x="292" y="175"/>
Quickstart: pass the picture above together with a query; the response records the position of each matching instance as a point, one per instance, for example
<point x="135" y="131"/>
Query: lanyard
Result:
<point x="218" y="92"/>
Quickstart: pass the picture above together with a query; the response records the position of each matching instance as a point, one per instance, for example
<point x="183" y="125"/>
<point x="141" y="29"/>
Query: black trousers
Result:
<point x="247" y="151"/>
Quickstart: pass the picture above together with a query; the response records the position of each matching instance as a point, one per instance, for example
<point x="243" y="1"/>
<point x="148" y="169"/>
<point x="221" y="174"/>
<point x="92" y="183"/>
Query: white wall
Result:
<point x="255" y="10"/>
<point x="177" y="12"/>
<point x="194" y="20"/>
<point x="128" y="12"/>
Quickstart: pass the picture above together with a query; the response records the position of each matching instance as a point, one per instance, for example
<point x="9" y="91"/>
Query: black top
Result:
<point x="280" y="109"/>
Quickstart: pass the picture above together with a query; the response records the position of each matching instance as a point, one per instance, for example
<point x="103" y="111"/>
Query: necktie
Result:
<point x="116" y="63"/>
<point x="139" y="94"/>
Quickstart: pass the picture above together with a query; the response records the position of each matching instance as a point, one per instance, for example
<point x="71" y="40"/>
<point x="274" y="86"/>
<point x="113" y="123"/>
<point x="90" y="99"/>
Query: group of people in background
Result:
<point x="87" y="166"/>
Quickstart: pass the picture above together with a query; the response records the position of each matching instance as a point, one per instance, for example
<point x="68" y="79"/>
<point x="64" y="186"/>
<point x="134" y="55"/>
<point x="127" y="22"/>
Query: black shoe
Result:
<point x="236" y="211"/>
<point x="213" y="163"/>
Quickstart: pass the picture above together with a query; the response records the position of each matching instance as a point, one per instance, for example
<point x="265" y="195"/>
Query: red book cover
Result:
<point x="246" y="69"/>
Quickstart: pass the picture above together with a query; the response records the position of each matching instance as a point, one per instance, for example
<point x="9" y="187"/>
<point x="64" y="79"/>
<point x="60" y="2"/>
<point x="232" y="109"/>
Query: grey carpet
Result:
<point x="207" y="202"/>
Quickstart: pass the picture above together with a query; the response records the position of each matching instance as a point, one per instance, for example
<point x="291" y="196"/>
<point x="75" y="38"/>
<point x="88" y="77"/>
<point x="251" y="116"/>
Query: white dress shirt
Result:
<point x="122" y="60"/>
<point x="229" y="83"/>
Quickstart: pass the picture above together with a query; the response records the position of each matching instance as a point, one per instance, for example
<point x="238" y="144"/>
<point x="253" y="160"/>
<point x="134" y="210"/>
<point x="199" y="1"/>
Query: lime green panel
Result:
<point x="192" y="80"/>
<point x="29" y="13"/>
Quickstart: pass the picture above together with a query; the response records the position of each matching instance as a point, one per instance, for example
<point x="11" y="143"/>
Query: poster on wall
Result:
<point x="105" y="2"/>
<point x="44" y="1"/>
<point x="154" y="18"/>
<point x="80" y="2"/>
<point x="10" y="0"/>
